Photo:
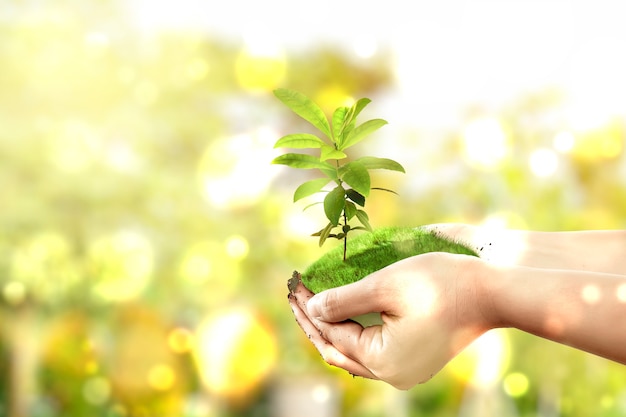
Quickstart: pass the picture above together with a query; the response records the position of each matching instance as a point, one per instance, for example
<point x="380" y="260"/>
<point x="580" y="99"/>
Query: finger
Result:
<point x="301" y="294"/>
<point x="352" y="339"/>
<point x="329" y="353"/>
<point x="368" y="295"/>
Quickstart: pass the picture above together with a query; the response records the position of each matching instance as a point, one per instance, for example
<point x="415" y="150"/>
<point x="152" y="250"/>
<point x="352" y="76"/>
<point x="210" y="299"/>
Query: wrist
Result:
<point x="487" y="280"/>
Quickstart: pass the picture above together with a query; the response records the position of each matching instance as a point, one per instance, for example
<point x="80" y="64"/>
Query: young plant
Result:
<point x="350" y="178"/>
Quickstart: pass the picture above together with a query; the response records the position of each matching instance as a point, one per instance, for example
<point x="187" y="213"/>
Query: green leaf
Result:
<point x="330" y="171"/>
<point x="344" y="119"/>
<point x="372" y="162"/>
<point x="364" y="219"/>
<point x="325" y="233"/>
<point x="385" y="189"/>
<point x="304" y="107"/>
<point x="360" y="132"/>
<point x="355" y="196"/>
<point x="311" y="205"/>
<point x="329" y="152"/>
<point x="334" y="203"/>
<point x="348" y="123"/>
<point x="339" y="118"/>
<point x="308" y="188"/>
<point x="346" y="132"/>
<point x="299" y="141"/>
<point x="350" y="210"/>
<point x="358" y="106"/>
<point x="356" y="176"/>
<point x="302" y="161"/>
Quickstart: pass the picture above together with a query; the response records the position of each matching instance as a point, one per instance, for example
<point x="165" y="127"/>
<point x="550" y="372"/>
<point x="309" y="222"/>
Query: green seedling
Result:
<point x="371" y="252"/>
<point x="345" y="181"/>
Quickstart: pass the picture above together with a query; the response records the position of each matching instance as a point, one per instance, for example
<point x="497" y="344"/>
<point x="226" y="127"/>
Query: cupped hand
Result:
<point x="431" y="306"/>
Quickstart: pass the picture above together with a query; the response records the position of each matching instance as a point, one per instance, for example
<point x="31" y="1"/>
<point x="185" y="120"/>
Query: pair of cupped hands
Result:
<point x="430" y="309"/>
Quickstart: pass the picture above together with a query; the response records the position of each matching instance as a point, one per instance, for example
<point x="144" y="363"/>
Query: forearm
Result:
<point x="586" y="310"/>
<point x="594" y="251"/>
<point x="598" y="251"/>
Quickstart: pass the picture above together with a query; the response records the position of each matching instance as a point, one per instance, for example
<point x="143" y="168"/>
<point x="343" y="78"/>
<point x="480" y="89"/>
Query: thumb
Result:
<point x="342" y="303"/>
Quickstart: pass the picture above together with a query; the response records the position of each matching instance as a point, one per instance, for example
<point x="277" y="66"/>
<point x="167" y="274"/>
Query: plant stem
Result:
<point x="345" y="237"/>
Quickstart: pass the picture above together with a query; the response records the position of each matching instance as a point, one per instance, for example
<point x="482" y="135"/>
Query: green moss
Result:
<point x="370" y="252"/>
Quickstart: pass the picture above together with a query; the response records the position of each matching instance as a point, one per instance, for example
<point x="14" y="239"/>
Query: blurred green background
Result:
<point x="146" y="240"/>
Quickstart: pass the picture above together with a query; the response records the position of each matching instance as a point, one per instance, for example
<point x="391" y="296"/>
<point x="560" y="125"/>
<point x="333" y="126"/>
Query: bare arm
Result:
<point x="586" y="310"/>
<point x="594" y="250"/>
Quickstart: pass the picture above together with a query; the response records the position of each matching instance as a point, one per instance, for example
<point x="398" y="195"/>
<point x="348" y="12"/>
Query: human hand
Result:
<point x="431" y="305"/>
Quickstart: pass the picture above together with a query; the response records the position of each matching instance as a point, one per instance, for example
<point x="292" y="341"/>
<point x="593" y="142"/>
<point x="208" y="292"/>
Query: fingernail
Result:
<point x="313" y="307"/>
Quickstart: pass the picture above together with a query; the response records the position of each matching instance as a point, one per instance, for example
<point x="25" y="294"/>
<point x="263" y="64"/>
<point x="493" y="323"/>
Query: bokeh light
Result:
<point x="181" y="340"/>
<point x="42" y="266"/>
<point x="543" y="162"/>
<point x="564" y="141"/>
<point x="516" y="384"/>
<point x="485" y="142"/>
<point x="122" y="263"/>
<point x="97" y="390"/>
<point x="235" y="353"/>
<point x="483" y="363"/>
<point x="234" y="172"/>
<point x="261" y="65"/>
<point x="621" y="293"/>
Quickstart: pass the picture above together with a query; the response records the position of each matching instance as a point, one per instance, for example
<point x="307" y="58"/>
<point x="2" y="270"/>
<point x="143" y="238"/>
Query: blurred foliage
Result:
<point x="145" y="234"/>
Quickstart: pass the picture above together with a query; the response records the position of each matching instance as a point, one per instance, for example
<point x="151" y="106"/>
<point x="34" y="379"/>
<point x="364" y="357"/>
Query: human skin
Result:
<point x="569" y="287"/>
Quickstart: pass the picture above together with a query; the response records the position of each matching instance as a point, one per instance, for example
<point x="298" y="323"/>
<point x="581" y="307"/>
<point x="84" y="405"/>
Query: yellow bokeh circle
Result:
<point x="260" y="72"/>
<point x="235" y="352"/>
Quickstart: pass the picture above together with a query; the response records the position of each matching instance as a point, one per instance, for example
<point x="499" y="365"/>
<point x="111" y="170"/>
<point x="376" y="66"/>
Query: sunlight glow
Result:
<point x="234" y="172"/>
<point x="365" y="48"/>
<point x="97" y="43"/>
<point x="75" y="147"/>
<point x="333" y="96"/>
<point x="207" y="265"/>
<point x="564" y="142"/>
<point x="146" y="93"/>
<point x="607" y="401"/>
<point x="485" y="142"/>
<point x="237" y="247"/>
<point x="235" y="353"/>
<point x="44" y="265"/>
<point x="543" y="162"/>
<point x="595" y="82"/>
<point x="483" y="362"/>
<point x="14" y="292"/>
<point x="508" y="247"/>
<point x="621" y="293"/>
<point x="554" y="325"/>
<point x="197" y="69"/>
<point x="300" y="224"/>
<point x="516" y="384"/>
<point x="591" y="294"/>
<point x="493" y="355"/>
<point x="261" y="65"/>
<point x="197" y="265"/>
<point x="321" y="393"/>
<point x="122" y="263"/>
<point x="605" y="141"/>
<point x="97" y="390"/>
<point x="180" y="340"/>
<point x="161" y="377"/>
